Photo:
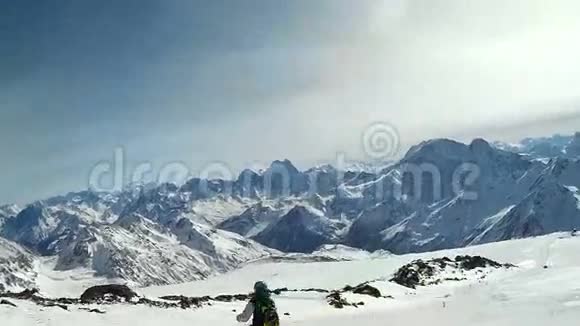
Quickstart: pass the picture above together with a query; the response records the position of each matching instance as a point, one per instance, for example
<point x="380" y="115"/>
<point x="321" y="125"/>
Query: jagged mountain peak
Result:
<point x="31" y="212"/>
<point x="30" y="227"/>
<point x="285" y="164"/>
<point x="323" y="168"/>
<point x="480" y="145"/>
<point x="301" y="211"/>
<point x="450" y="150"/>
<point x="302" y="229"/>
<point x="247" y="173"/>
<point x="440" y="146"/>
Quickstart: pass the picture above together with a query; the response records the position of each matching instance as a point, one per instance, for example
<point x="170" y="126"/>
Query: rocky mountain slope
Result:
<point x="157" y="249"/>
<point x="16" y="266"/>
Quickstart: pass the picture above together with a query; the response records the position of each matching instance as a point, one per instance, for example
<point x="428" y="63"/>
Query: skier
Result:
<point x="261" y="307"/>
<point x="574" y="232"/>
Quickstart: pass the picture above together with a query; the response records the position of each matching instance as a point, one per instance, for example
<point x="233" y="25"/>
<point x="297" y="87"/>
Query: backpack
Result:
<point x="269" y="313"/>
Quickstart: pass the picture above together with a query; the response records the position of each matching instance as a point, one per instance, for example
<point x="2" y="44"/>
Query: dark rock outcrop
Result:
<point x="32" y="295"/>
<point x="367" y="290"/>
<point x="121" y="294"/>
<point x="422" y="273"/>
<point x="473" y="262"/>
<point x="7" y="303"/>
<point x="58" y="305"/>
<point x="411" y="275"/>
<point x="231" y="298"/>
<point x="111" y="292"/>
<point x="24" y="295"/>
<point x="336" y="300"/>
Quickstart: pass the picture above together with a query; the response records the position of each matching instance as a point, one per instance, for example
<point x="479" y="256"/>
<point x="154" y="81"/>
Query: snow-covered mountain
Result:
<point x="545" y="147"/>
<point x="438" y="216"/>
<point x="161" y="248"/>
<point x="256" y="218"/>
<point x="550" y="207"/>
<point x="8" y="211"/>
<point x="16" y="267"/>
<point x="382" y="211"/>
<point x="302" y="229"/>
<point x="368" y="167"/>
<point x="442" y="194"/>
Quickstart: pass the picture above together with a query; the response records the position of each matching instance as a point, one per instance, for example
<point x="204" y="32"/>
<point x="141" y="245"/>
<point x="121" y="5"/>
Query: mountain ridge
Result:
<point x="442" y="194"/>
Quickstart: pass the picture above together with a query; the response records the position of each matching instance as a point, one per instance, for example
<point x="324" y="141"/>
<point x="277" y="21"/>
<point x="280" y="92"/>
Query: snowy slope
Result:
<point x="555" y="250"/>
<point x="528" y="295"/>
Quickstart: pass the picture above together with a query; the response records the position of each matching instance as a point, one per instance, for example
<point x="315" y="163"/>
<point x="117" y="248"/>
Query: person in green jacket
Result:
<point x="261" y="307"/>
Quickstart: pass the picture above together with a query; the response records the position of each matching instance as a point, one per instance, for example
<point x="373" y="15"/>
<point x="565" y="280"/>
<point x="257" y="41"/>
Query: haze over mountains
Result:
<point x="442" y="194"/>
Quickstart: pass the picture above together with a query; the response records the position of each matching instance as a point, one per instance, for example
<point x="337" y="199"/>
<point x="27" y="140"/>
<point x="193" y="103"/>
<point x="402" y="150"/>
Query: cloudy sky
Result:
<point x="242" y="82"/>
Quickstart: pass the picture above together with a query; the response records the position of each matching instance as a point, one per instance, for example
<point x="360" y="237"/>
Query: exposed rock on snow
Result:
<point x="7" y="303"/>
<point x="336" y="300"/>
<point x="111" y="292"/>
<point x="366" y="290"/>
<point x="435" y="271"/>
<point x="97" y="311"/>
<point x="32" y="295"/>
<point x="526" y="296"/>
